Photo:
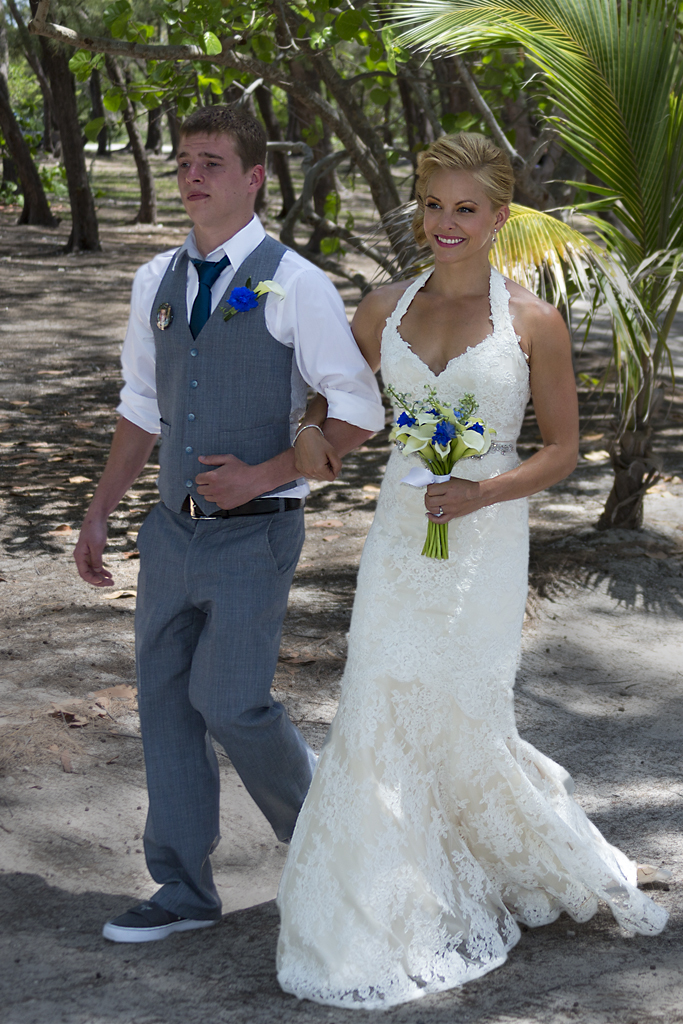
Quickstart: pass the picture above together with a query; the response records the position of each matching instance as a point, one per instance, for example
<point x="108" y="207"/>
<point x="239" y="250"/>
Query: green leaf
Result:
<point x="348" y="24"/>
<point x="332" y="206"/>
<point x="330" y="245"/>
<point x="113" y="99"/>
<point x="212" y="44"/>
<point x="380" y="96"/>
<point x="93" y="129"/>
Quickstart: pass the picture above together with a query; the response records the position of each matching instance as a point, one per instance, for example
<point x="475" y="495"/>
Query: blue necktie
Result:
<point x="208" y="275"/>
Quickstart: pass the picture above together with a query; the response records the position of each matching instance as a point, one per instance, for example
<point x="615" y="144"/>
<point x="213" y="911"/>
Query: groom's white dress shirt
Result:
<point x="310" y="319"/>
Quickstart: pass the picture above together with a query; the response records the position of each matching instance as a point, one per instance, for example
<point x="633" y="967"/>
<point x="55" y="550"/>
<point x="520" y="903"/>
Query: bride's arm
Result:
<point x="314" y="456"/>
<point x="546" y="341"/>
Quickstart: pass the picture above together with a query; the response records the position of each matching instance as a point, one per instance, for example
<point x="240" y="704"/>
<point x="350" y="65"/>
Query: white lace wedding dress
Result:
<point x="431" y="828"/>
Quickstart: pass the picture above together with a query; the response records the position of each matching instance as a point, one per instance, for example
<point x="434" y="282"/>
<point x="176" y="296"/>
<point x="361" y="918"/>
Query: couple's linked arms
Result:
<point x="230" y="484"/>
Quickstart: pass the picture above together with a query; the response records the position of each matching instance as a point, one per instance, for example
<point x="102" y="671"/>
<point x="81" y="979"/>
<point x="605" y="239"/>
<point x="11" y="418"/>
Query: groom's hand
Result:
<point x="232" y="483"/>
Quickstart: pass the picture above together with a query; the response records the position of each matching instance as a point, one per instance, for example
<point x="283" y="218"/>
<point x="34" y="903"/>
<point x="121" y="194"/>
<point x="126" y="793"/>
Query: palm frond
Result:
<point x="612" y="69"/>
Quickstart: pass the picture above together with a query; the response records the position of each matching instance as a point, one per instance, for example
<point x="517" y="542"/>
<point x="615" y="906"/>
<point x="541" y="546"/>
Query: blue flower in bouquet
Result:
<point x="405" y="420"/>
<point x="444" y="433"/>
<point x="243" y="299"/>
<point x="478" y="427"/>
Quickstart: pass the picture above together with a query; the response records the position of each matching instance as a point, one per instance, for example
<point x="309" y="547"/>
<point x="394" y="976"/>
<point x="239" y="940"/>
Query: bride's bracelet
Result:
<point x="305" y="427"/>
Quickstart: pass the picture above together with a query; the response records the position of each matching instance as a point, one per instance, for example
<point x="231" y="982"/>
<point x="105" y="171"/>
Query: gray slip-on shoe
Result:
<point x="149" y="922"/>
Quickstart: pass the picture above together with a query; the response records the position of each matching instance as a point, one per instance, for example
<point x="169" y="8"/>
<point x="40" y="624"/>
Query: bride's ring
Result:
<point x="440" y="512"/>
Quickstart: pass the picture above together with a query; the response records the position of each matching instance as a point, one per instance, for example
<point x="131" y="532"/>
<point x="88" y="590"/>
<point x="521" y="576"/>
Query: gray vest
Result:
<point x="225" y="392"/>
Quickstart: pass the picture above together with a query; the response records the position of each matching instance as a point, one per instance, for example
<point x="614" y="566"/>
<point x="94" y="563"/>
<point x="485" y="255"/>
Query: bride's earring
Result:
<point x="494" y="237"/>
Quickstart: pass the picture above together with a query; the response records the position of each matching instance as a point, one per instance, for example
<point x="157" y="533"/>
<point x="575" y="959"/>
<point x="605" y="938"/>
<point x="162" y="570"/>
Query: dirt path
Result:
<point x="599" y="689"/>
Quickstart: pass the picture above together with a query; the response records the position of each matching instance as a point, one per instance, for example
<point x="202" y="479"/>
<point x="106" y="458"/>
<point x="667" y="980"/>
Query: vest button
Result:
<point x="194" y="383"/>
<point x="190" y="416"/>
<point x="189" y="483"/>
<point x="189" y="449"/>
<point x="193" y="351"/>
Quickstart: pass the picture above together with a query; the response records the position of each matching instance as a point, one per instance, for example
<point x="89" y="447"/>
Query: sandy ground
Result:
<point x="599" y="689"/>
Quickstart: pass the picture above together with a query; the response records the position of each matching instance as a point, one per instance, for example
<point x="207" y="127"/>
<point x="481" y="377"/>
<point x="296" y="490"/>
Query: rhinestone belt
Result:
<point x="503" y="448"/>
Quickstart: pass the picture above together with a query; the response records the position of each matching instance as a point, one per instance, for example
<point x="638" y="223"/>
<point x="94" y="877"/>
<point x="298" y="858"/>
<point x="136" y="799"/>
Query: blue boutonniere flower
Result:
<point x="244" y="297"/>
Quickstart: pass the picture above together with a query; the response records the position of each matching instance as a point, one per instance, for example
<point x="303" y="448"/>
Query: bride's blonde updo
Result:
<point x="466" y="151"/>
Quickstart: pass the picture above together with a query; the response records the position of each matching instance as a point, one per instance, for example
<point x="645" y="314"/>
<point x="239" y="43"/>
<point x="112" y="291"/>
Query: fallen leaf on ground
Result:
<point x="120" y="593"/>
<point x="72" y="718"/>
<point x="122" y="690"/>
<point x="84" y="423"/>
<point x="80" y="480"/>
<point x="64" y="528"/>
<point x="598" y="456"/>
<point x="66" y="762"/>
<point x="371" y="489"/>
<point x="332" y="536"/>
<point x="131" y="554"/>
<point x="295" y="659"/>
<point x="656" y="554"/>
<point x="326" y="522"/>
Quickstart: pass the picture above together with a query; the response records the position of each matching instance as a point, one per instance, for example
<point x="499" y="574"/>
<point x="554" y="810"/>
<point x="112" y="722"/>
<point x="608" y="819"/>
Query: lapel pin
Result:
<point x="164" y="316"/>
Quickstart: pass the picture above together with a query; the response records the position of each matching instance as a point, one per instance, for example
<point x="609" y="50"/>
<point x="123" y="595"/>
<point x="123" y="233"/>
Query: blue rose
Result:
<point x="444" y="433"/>
<point x="405" y="420"/>
<point x="243" y="299"/>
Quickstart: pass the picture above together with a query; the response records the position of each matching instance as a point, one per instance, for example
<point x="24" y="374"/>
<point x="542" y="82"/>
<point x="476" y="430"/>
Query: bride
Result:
<point x="431" y="829"/>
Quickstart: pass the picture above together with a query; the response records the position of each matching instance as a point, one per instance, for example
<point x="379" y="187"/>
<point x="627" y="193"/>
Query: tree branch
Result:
<point x="39" y="26"/>
<point x="487" y="114"/>
<point x="522" y="168"/>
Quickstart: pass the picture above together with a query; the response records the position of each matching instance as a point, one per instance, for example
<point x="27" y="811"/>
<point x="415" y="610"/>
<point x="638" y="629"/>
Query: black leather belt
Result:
<point x="255" y="507"/>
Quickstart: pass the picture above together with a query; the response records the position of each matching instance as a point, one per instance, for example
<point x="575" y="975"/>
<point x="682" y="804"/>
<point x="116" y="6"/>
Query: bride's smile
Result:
<point x="459" y="218"/>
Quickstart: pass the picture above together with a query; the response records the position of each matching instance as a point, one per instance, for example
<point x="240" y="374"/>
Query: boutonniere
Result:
<point x="244" y="298"/>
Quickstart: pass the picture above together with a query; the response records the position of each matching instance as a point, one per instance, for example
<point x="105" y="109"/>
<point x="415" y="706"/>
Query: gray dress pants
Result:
<point x="212" y="595"/>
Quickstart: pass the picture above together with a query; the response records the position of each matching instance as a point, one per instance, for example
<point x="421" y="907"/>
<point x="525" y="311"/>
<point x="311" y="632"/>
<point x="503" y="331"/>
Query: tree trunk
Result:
<point x="39" y="72"/>
<point x="305" y="124"/>
<point x="84" y="230"/>
<point x="97" y="110"/>
<point x="36" y="207"/>
<point x="173" y="127"/>
<point x="280" y="161"/>
<point x="635" y="470"/>
<point x="154" y="139"/>
<point x="147" y="214"/>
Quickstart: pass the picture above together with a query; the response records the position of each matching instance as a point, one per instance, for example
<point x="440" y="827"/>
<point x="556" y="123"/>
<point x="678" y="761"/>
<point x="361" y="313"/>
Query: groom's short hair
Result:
<point x="248" y="133"/>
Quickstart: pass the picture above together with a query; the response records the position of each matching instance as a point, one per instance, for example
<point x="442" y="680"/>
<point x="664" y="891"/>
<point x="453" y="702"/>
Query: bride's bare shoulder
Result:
<point x="529" y="311"/>
<point x="383" y="300"/>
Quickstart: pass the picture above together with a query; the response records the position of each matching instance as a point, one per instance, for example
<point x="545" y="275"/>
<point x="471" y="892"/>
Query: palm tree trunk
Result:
<point x="635" y="470"/>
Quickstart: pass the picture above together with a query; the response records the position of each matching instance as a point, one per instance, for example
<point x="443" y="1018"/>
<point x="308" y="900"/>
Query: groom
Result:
<point x="219" y="371"/>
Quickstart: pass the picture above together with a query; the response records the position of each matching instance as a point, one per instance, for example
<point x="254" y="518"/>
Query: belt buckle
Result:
<point x="196" y="512"/>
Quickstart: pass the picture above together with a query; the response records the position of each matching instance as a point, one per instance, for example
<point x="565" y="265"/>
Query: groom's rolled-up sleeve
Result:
<point x="138" y="400"/>
<point x="312" y="319"/>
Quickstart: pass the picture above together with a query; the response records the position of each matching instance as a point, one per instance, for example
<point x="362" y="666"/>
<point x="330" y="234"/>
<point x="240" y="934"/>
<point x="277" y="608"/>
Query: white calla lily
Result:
<point x="263" y="287"/>
<point x="473" y="439"/>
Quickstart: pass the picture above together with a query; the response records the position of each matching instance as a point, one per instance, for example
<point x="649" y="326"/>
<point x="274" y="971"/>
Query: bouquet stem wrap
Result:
<point x="441" y="435"/>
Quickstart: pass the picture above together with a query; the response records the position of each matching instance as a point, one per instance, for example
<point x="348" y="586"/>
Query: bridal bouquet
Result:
<point x="441" y="435"/>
